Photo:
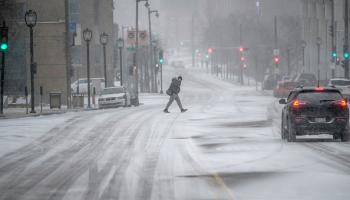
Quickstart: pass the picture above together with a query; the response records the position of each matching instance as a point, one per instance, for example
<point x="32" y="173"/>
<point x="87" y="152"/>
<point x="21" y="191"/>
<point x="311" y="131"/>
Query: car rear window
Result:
<point x="341" y="82"/>
<point x="317" y="96"/>
<point x="307" y="77"/>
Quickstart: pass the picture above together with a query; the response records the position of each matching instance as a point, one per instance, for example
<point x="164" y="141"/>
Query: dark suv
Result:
<point x="314" y="111"/>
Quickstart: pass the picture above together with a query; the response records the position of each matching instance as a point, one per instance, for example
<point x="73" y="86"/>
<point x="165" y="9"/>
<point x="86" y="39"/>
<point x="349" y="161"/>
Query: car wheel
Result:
<point x="344" y="136"/>
<point x="291" y="134"/>
<point x="336" y="136"/>
<point x="283" y="130"/>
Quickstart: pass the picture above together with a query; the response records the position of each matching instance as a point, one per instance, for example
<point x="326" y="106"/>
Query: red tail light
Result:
<point x="343" y="103"/>
<point x="298" y="103"/>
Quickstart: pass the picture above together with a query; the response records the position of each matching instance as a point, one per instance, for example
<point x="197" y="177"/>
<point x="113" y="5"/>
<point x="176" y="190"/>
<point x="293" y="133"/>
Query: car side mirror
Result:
<point x="282" y="101"/>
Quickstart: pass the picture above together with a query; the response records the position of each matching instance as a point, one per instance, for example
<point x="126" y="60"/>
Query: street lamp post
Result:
<point x="303" y="46"/>
<point x="120" y="44"/>
<point x="104" y="42"/>
<point x="136" y="53"/>
<point x="318" y="42"/>
<point x="87" y="35"/>
<point x="151" y="61"/>
<point x="31" y="19"/>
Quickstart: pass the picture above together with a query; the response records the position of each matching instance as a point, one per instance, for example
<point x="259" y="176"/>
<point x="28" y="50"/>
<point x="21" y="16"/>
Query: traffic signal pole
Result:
<point x="334" y="48"/>
<point x="276" y="39"/>
<point x="346" y="38"/>
<point x="4" y="40"/>
<point x="2" y="83"/>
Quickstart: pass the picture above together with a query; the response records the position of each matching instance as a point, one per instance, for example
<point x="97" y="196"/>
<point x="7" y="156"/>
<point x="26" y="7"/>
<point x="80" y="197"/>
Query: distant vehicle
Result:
<point x="342" y="84"/>
<point x="314" y="111"/>
<point x="270" y="81"/>
<point x="285" y="78"/>
<point x="306" y="79"/>
<point x="178" y="64"/>
<point x="284" y="88"/>
<point x="112" y="97"/>
<point x="80" y="86"/>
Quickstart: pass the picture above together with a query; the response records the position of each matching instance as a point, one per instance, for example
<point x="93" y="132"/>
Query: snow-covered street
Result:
<point x="227" y="146"/>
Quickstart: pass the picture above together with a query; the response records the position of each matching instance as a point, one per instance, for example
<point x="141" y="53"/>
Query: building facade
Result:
<point x="97" y="15"/>
<point x="317" y="22"/>
<point x="59" y="50"/>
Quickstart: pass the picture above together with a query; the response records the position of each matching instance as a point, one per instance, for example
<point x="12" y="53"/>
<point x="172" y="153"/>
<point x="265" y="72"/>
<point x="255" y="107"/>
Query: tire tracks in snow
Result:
<point x="66" y="166"/>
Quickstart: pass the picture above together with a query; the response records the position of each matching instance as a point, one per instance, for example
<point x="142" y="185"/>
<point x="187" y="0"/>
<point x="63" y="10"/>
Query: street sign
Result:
<point x="276" y="52"/>
<point x="143" y="38"/>
<point x="72" y="27"/>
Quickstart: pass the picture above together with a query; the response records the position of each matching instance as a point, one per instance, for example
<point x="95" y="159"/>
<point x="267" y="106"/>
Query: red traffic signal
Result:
<point x="243" y="49"/>
<point x="276" y="60"/>
<point x="210" y="50"/>
<point x="242" y="58"/>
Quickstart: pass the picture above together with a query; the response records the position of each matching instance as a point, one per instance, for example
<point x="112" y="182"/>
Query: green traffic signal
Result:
<point x="346" y="55"/>
<point x="161" y="61"/>
<point x="4" y="46"/>
<point x="334" y="54"/>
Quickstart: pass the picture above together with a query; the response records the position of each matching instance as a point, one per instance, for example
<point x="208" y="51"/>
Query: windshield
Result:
<point x="341" y="82"/>
<point x="112" y="91"/>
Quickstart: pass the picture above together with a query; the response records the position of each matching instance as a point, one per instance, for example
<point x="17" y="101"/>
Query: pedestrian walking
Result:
<point x="173" y="92"/>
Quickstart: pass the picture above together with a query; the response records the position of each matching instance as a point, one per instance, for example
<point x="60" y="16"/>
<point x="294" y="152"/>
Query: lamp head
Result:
<point x="30" y="18"/>
<point x="104" y="38"/>
<point x="87" y="35"/>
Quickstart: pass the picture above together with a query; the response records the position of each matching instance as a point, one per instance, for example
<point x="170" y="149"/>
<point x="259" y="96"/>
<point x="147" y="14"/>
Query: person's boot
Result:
<point x="166" y="111"/>
<point x="183" y="110"/>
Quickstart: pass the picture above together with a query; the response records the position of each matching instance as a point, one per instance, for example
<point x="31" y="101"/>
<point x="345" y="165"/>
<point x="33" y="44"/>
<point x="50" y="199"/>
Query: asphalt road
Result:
<point x="227" y="146"/>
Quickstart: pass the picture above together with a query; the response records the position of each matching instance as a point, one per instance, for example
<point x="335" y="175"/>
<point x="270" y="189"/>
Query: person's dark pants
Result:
<point x="171" y="100"/>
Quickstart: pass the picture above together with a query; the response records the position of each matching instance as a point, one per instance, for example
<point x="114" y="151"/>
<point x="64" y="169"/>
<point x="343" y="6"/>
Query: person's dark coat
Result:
<point x="175" y="86"/>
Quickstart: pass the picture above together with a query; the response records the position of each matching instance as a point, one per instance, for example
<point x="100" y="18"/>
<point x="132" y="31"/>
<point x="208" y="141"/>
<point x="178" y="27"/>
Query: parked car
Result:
<point x="342" y="84"/>
<point x="270" y="81"/>
<point x="284" y="88"/>
<point x="112" y="97"/>
<point x="306" y="79"/>
<point x="80" y="86"/>
<point x="314" y="111"/>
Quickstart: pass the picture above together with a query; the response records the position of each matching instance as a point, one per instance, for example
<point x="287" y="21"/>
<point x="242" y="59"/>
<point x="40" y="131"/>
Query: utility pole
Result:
<point x="241" y="54"/>
<point x="276" y="40"/>
<point x="136" y="53"/>
<point x="288" y="61"/>
<point x="333" y="35"/>
<point x="346" y="38"/>
<point x="151" y="61"/>
<point x="192" y="41"/>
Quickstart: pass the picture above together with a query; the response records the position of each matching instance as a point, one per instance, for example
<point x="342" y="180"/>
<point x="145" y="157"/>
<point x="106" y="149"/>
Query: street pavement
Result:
<point x="227" y="146"/>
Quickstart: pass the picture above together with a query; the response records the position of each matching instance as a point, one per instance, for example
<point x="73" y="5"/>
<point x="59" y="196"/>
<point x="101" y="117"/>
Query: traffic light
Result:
<point x="242" y="58"/>
<point x="241" y="49"/>
<point x="276" y="60"/>
<point x="161" y="58"/>
<point x="207" y="56"/>
<point x="331" y="31"/>
<point x="346" y="55"/>
<point x="4" y="39"/>
<point x="334" y="55"/>
<point x="210" y="50"/>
